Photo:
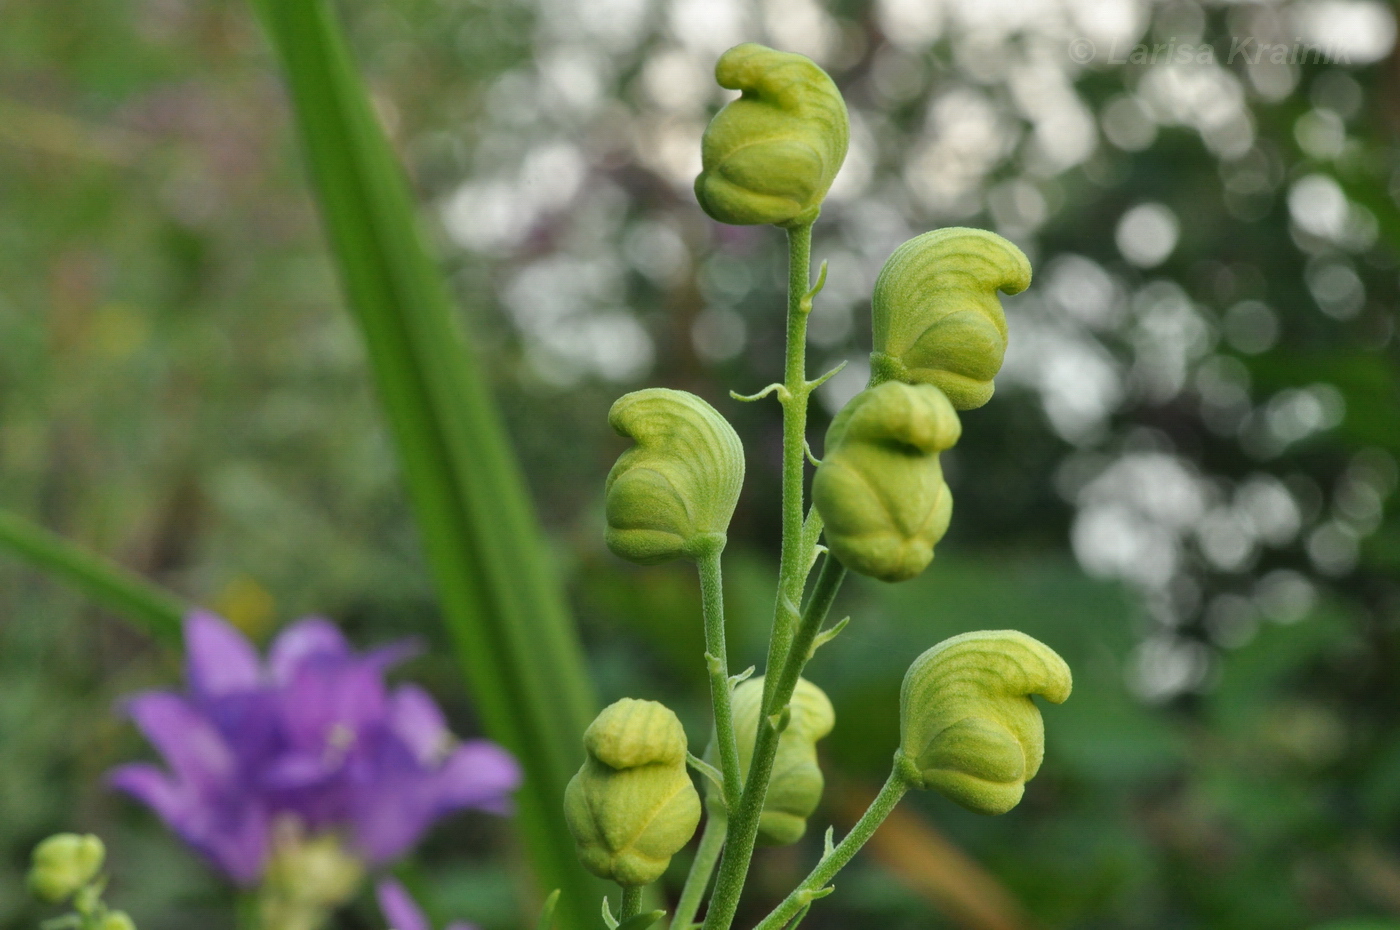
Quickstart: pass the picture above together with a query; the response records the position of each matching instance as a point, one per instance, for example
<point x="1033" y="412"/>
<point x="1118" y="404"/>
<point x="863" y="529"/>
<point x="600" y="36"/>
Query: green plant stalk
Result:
<point x="792" y="565"/>
<point x="631" y="904"/>
<point x="157" y="611"/>
<point x="743" y="828"/>
<point x="717" y="660"/>
<point x="503" y="606"/>
<point x="815" y="884"/>
<point x="701" y="870"/>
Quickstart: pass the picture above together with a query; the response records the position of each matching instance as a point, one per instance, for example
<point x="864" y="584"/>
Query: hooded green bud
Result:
<point x="674" y="493"/>
<point x="795" y="787"/>
<point x="880" y="488"/>
<point x="771" y="155"/>
<point x="937" y="317"/>
<point x="632" y="805"/>
<point x="115" y="920"/>
<point x="63" y="864"/>
<point x="968" y="725"/>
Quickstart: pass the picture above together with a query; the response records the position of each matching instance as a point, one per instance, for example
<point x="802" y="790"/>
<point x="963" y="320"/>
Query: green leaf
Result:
<point x="547" y="911"/>
<point x="121" y="591"/>
<point x="641" y="921"/>
<point x="502" y="604"/>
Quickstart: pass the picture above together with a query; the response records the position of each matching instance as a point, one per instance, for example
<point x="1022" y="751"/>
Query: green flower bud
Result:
<point x="880" y="488"/>
<point x="937" y="317"/>
<point x="771" y="155"/>
<point x="674" y="493"/>
<point x="968" y="725"/>
<point x="116" y="920"/>
<point x="632" y="805"/>
<point x="63" y="864"/>
<point x="795" y="787"/>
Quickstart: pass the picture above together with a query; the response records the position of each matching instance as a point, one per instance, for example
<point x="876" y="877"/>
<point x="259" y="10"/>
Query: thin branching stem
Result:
<point x="717" y="660"/>
<point x="701" y="871"/>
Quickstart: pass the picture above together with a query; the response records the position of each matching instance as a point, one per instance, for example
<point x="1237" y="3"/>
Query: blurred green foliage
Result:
<point x="180" y="389"/>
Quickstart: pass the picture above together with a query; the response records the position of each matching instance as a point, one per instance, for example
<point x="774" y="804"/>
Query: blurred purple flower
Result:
<point x="402" y="912"/>
<point x="316" y="736"/>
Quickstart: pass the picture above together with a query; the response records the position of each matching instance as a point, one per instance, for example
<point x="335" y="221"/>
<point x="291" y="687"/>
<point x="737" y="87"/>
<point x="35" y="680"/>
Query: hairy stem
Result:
<point x="792" y="568"/>
<point x="631" y="902"/>
<point x="717" y="659"/>
<point x="813" y="885"/>
<point x="701" y="870"/>
<point x="743" y="829"/>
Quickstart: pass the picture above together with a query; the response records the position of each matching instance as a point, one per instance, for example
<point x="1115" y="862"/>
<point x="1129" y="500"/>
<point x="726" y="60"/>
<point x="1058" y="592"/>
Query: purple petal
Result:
<point x="416" y="719"/>
<point x="232" y="832"/>
<point x="478" y="774"/>
<point x="399" y="909"/>
<point x="304" y="642"/>
<point x="195" y="751"/>
<point x="328" y="708"/>
<point x="218" y="659"/>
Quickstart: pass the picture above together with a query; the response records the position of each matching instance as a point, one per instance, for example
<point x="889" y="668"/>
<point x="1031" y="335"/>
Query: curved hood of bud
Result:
<point x="969" y="728"/>
<point x="771" y="155"/>
<point x="674" y="493"/>
<point x="937" y="317"/>
<point x="880" y="487"/>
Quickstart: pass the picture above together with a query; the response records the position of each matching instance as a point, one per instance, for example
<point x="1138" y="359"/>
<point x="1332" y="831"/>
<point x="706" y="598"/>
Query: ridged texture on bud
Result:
<point x="674" y="493"/>
<point x="771" y="155"/>
<point x="968" y="725"/>
<point x="796" y="785"/>
<point x="937" y="317"/>
<point x="63" y="864"/>
<point x="880" y="488"/>
<point x="632" y="805"/>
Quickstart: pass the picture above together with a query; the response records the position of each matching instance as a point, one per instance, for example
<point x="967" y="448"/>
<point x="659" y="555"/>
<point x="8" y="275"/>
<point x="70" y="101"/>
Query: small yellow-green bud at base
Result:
<point x="673" y="494"/>
<point x="63" y="864"/>
<point x="880" y="487"/>
<point x="632" y="805"/>
<point x="796" y="784"/>
<point x="116" y="920"/>
<point x="771" y="155"/>
<point x="936" y="315"/>
<point x="308" y="876"/>
<point x="969" y="728"/>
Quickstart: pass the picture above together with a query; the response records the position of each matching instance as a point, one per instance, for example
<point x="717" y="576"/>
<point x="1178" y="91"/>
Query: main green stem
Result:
<point x="717" y="660"/>
<point x="792" y="567"/>
<point x="701" y="870"/>
<point x="831" y="863"/>
<point x="743" y="826"/>
<point x="791" y="638"/>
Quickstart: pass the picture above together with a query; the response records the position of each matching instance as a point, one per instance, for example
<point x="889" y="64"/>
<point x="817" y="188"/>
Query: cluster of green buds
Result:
<point x="67" y="868"/>
<point x="969" y="726"/>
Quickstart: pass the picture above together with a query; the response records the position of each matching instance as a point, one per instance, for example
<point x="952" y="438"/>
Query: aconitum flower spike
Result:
<point x="880" y="487"/>
<point x="313" y="737"/>
<point x="632" y="805"/>
<point x="936" y="315"/>
<point x="968" y="726"/>
<point x="673" y="494"/>
<point x="771" y="155"/>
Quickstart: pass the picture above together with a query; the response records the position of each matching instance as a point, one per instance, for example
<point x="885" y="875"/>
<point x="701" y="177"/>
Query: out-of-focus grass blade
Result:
<point x="121" y="591"/>
<point x="505" y="609"/>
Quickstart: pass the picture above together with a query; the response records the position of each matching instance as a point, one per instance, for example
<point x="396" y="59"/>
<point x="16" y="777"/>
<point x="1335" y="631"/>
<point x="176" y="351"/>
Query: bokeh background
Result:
<point x="1183" y="483"/>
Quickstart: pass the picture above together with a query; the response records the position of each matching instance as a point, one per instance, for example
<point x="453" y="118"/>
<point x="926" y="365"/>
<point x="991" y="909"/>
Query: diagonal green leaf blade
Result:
<point x="503" y="606"/>
<point x="117" y="589"/>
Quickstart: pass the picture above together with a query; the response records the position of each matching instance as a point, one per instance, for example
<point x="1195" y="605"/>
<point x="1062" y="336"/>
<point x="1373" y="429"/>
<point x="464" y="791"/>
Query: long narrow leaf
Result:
<point x="121" y="591"/>
<point x="505" y="609"/>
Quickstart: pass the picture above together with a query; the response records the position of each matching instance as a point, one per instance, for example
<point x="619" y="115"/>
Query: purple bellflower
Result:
<point x="313" y="737"/>
<point x="402" y="912"/>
